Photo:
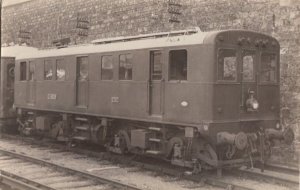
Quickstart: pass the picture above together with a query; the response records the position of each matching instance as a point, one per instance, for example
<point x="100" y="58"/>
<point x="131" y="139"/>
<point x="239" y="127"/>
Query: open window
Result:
<point x="268" y="68"/>
<point x="178" y="65"/>
<point x="125" y="67"/>
<point x="107" y="67"/>
<point x="60" y="70"/>
<point x="23" y="71"/>
<point x="48" y="70"/>
<point x="227" y="65"/>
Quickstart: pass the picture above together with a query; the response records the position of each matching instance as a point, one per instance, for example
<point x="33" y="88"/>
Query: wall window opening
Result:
<point x="125" y="67"/>
<point x="178" y="64"/>
<point x="268" y="68"/>
<point x="227" y="64"/>
<point x="107" y="67"/>
<point x="248" y="66"/>
<point x="23" y="71"/>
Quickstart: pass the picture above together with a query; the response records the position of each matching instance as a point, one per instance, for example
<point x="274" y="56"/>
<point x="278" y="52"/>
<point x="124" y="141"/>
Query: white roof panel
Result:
<point x="191" y="39"/>
<point x="16" y="51"/>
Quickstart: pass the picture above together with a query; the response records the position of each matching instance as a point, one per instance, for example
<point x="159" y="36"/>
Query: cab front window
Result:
<point x="227" y="65"/>
<point x="268" y="68"/>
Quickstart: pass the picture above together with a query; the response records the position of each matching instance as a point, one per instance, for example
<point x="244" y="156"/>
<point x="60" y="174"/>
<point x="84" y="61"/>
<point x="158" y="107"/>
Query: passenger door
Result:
<point x="155" y="83"/>
<point x="82" y="75"/>
<point x="31" y="90"/>
<point x="249" y="60"/>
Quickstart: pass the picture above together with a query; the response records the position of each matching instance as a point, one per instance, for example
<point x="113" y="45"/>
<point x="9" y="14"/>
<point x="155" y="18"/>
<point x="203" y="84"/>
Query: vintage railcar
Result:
<point x="7" y="113"/>
<point x="199" y="99"/>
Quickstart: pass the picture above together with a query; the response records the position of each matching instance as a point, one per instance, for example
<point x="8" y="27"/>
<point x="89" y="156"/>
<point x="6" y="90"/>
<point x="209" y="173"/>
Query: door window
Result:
<point x="31" y="70"/>
<point x="23" y="71"/>
<point x="83" y="68"/>
<point x="156" y="65"/>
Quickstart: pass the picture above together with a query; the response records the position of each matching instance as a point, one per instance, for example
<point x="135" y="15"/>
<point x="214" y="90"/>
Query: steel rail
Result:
<point x="83" y="174"/>
<point x="278" y="178"/>
<point x="201" y="178"/>
<point x="18" y="182"/>
<point x="282" y="168"/>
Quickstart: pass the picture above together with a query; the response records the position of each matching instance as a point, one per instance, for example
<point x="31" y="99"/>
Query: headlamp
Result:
<point x="251" y="103"/>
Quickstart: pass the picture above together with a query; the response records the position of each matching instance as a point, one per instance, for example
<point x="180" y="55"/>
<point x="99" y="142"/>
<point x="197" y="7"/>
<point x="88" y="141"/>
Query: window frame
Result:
<point x="255" y="65"/>
<point x="112" y="70"/>
<point x="44" y="71"/>
<point x="20" y="71"/>
<point x="78" y="68"/>
<point x="152" y="65"/>
<point x="31" y="63"/>
<point x="276" y="69"/>
<point x="62" y="61"/>
<point x="169" y="65"/>
<point x="237" y="65"/>
<point x="119" y="66"/>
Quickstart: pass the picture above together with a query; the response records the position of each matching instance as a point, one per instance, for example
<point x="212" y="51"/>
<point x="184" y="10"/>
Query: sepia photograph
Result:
<point x="150" y="95"/>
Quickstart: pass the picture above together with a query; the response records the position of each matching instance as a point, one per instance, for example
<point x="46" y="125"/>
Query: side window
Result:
<point x="268" y="68"/>
<point x="83" y="68"/>
<point x="248" y="66"/>
<point x="10" y="75"/>
<point x="48" y="70"/>
<point x="178" y="65"/>
<point x="60" y="70"/>
<point x="23" y="71"/>
<point x="31" y="70"/>
<point x="227" y="64"/>
<point x="125" y="67"/>
<point x="156" y="65"/>
<point x="107" y="67"/>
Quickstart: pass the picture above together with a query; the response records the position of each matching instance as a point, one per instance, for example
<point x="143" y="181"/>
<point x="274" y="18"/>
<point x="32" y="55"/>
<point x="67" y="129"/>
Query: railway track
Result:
<point x="272" y="173"/>
<point x="202" y="178"/>
<point x="41" y="174"/>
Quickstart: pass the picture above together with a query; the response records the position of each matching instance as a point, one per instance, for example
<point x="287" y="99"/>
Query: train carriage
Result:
<point x="199" y="99"/>
<point x="7" y="113"/>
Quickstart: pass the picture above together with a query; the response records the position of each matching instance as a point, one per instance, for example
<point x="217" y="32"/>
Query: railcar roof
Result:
<point x="16" y="51"/>
<point x="191" y="39"/>
<point x="119" y="45"/>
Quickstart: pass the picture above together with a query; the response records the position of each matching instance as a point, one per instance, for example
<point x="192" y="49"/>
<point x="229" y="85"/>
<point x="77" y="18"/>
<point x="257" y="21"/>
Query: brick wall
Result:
<point x="48" y="20"/>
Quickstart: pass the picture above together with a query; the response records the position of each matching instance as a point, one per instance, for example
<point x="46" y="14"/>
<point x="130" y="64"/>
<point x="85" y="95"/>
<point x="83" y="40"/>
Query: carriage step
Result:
<point x="82" y="128"/>
<point x="154" y="152"/>
<point x="154" y="128"/>
<point x="154" y="140"/>
<point x="80" y="138"/>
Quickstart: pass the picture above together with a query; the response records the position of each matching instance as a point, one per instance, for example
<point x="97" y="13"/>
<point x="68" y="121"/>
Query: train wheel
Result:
<point x="120" y="143"/>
